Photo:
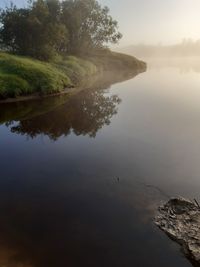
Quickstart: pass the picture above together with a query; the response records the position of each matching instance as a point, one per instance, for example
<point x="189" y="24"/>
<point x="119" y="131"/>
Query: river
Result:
<point x="81" y="177"/>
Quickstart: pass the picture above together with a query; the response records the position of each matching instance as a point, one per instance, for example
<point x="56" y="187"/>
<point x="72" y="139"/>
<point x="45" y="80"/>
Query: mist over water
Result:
<point x="187" y="50"/>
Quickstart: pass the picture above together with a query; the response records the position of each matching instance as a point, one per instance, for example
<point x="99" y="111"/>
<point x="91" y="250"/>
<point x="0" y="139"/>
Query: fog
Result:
<point x="154" y="21"/>
<point x="186" y="49"/>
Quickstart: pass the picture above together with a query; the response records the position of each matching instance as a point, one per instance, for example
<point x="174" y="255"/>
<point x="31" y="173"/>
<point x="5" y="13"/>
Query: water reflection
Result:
<point x="84" y="113"/>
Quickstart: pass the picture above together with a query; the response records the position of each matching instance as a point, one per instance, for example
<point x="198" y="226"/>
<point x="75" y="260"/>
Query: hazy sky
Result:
<point x="153" y="21"/>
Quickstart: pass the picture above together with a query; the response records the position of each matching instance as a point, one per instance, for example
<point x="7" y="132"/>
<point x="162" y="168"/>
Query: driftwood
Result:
<point x="179" y="218"/>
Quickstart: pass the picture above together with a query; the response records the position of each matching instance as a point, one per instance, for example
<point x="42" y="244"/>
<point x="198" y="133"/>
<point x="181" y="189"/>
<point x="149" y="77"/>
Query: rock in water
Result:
<point x="180" y="219"/>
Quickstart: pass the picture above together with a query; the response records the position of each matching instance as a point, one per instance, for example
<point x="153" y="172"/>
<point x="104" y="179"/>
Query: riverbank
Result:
<point x="24" y="78"/>
<point x="22" y="108"/>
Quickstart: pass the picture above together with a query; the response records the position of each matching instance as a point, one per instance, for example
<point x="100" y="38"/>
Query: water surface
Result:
<point x="81" y="177"/>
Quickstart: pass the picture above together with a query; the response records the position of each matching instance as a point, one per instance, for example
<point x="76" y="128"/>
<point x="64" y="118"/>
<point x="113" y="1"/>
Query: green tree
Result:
<point x="90" y="26"/>
<point x="34" y="31"/>
<point x="49" y="27"/>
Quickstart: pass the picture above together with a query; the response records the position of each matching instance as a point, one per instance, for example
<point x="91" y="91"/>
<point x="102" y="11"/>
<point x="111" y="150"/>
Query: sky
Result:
<point x="152" y="21"/>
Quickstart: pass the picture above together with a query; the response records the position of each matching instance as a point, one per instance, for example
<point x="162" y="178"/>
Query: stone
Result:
<point x="179" y="218"/>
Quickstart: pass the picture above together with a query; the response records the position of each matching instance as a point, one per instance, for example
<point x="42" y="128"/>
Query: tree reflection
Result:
<point x="83" y="114"/>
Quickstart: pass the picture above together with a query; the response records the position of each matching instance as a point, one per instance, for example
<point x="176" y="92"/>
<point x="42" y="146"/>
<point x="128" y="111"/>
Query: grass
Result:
<point x="21" y="76"/>
<point x="77" y="69"/>
<point x="25" y="76"/>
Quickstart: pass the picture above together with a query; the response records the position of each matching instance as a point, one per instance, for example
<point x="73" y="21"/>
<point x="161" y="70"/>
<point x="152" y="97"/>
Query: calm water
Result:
<point x="81" y="177"/>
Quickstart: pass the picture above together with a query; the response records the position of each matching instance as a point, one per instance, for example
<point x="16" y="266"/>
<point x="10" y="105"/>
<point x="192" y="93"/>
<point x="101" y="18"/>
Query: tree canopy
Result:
<point x="45" y="28"/>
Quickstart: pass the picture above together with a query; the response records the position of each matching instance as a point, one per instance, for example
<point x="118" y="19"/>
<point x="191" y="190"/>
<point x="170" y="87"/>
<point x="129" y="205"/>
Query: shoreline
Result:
<point x="23" y="79"/>
<point x="76" y="89"/>
<point x="38" y="96"/>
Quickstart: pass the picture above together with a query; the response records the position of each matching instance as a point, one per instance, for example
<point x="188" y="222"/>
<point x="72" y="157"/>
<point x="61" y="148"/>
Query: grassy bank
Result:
<point x="21" y="76"/>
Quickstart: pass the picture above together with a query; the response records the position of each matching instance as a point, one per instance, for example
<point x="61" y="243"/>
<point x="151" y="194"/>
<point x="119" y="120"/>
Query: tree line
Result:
<point x="47" y="28"/>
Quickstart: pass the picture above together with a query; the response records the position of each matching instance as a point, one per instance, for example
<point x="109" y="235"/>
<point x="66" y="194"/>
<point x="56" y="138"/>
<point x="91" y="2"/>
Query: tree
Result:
<point x="34" y="31"/>
<point x="48" y="27"/>
<point x="90" y="26"/>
